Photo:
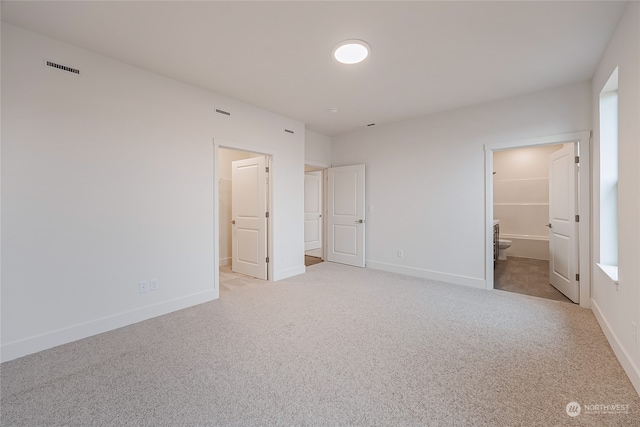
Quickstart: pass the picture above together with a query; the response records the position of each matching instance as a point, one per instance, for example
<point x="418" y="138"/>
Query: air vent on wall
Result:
<point x="61" y="67"/>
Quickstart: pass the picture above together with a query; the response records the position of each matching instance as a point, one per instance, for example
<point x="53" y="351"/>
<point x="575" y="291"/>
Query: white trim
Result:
<point x="316" y="164"/>
<point x="37" y="343"/>
<point x="583" y="139"/>
<point x="427" y="274"/>
<point x="611" y="271"/>
<point x="625" y="359"/>
<point x="523" y="236"/>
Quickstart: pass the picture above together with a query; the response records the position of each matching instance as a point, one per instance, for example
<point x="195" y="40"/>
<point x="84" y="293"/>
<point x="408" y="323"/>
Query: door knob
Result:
<point x="233" y="221"/>
<point x="549" y="225"/>
<point x="359" y="221"/>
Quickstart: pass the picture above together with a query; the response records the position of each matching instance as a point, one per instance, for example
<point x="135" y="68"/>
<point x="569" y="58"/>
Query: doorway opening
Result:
<point x="516" y="212"/>
<point x="314" y="202"/>
<point x="243" y="196"/>
<point x="521" y="208"/>
<point x="336" y="208"/>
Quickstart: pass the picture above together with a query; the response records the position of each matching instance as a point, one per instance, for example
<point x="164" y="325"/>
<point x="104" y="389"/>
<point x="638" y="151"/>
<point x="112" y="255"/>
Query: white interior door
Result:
<point x="312" y="210"/>
<point x="563" y="242"/>
<point x="249" y="217"/>
<point x="346" y="219"/>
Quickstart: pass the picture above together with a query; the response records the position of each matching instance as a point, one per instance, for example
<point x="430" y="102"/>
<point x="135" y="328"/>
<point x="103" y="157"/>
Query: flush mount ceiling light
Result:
<point x="351" y="51"/>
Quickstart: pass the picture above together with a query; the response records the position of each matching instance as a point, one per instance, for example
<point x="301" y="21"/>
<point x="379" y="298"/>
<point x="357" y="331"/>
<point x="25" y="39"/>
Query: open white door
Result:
<point x="563" y="242"/>
<point x="345" y="221"/>
<point x="312" y="210"/>
<point x="249" y="217"/>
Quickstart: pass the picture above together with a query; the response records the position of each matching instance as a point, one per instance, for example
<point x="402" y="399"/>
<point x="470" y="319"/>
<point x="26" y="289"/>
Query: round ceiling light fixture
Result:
<point x="351" y="51"/>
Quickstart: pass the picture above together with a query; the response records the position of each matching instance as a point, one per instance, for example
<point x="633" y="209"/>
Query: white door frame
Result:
<point x="263" y="151"/>
<point x="323" y="167"/>
<point x="583" y="139"/>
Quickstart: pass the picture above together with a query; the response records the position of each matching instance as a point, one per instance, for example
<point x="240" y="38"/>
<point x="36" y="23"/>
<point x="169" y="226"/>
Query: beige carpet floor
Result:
<point x="336" y="346"/>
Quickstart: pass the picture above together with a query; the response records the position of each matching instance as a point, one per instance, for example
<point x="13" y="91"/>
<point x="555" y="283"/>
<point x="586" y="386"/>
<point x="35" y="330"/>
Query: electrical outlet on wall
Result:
<point x="153" y="285"/>
<point x="143" y="287"/>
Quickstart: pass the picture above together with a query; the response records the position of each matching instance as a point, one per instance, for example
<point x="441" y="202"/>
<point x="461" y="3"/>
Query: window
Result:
<point x="609" y="177"/>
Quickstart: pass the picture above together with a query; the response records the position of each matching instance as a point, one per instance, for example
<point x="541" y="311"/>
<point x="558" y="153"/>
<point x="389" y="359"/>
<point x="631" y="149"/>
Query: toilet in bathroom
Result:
<point x="503" y="245"/>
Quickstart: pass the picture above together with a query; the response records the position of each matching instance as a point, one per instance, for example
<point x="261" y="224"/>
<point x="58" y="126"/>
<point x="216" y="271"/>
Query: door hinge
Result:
<point x="267" y="260"/>
<point x="577" y="218"/>
<point x="577" y="159"/>
<point x="266" y="214"/>
<point x="577" y="277"/>
<point x="266" y="169"/>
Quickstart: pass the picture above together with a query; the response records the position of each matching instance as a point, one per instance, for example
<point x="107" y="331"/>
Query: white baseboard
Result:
<point x="623" y="357"/>
<point x="225" y="261"/>
<point x="314" y="252"/>
<point x="37" y="343"/>
<point x="427" y="274"/>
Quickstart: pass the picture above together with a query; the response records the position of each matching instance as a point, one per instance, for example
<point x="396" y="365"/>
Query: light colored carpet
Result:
<point x="335" y="346"/>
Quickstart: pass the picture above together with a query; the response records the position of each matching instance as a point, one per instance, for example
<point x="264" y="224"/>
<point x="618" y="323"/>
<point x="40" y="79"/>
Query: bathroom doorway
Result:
<point x="521" y="199"/>
<point x="521" y="208"/>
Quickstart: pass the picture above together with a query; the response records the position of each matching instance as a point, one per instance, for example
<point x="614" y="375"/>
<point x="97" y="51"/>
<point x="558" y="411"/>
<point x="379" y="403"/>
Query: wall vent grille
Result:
<point x="62" y="67"/>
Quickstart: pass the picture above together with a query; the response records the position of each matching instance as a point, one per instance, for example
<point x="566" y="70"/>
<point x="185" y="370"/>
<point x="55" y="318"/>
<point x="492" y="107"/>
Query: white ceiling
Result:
<point x="426" y="56"/>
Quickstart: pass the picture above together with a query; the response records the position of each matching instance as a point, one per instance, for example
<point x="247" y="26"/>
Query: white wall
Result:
<point x="225" y="157"/>
<point x="521" y="198"/>
<point x="618" y="306"/>
<point x="425" y="179"/>
<point x="317" y="149"/>
<point x="108" y="179"/>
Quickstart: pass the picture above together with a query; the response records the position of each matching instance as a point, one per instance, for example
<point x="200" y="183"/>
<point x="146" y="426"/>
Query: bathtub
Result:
<point x="525" y="246"/>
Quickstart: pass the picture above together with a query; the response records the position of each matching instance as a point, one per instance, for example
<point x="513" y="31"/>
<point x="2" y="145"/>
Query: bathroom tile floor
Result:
<point x="526" y="276"/>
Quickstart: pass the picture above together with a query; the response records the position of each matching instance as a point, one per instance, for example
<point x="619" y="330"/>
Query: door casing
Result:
<point x="583" y="139"/>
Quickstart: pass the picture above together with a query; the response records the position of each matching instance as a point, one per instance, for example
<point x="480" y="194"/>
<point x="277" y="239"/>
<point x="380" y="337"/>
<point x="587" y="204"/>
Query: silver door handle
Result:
<point x="549" y="225"/>
<point x="233" y="221"/>
<point x="359" y="221"/>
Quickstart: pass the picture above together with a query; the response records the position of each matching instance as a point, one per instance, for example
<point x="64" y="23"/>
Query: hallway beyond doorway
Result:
<point x="311" y="260"/>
